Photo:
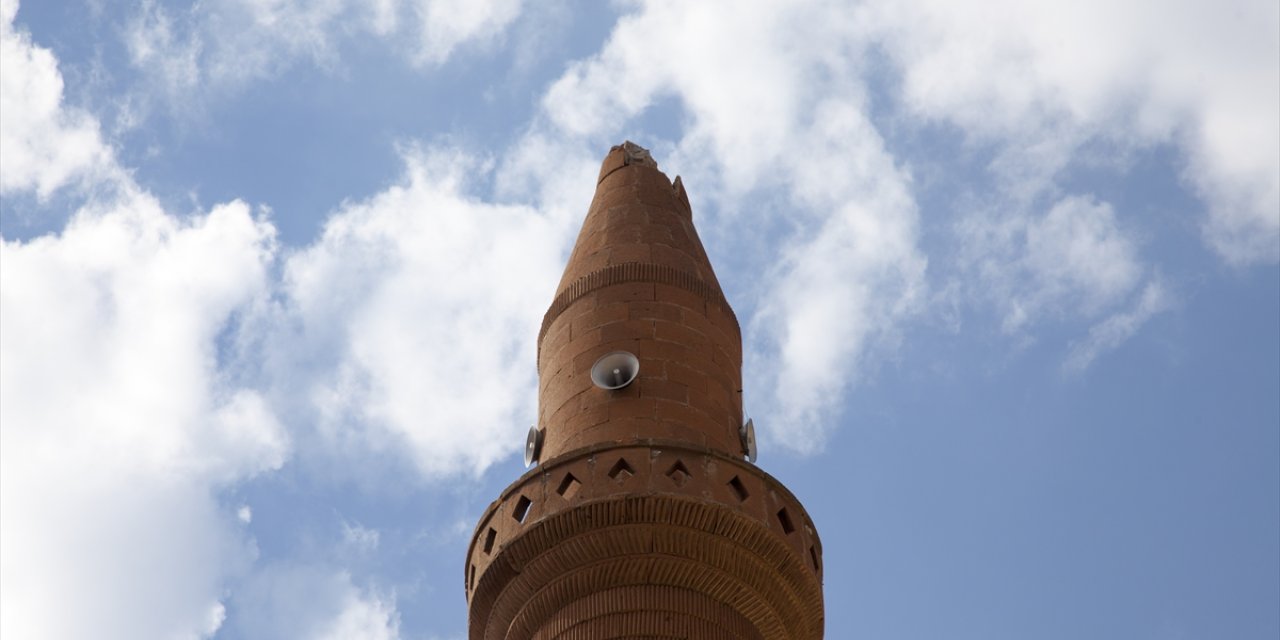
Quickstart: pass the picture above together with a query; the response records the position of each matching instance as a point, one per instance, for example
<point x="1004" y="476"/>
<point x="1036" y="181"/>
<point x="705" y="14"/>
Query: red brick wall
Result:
<point x="639" y="281"/>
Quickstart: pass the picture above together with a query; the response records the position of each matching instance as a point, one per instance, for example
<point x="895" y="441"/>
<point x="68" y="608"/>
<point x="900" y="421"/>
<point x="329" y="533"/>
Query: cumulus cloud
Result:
<point x="447" y="24"/>
<point x="1073" y="263"/>
<point x="1077" y="246"/>
<point x="1073" y="260"/>
<point x="119" y="424"/>
<point x="1042" y="81"/>
<point x="118" y="427"/>
<point x="841" y="289"/>
<point x="740" y="72"/>
<point x="45" y="144"/>
<point x="224" y="45"/>
<point x="427" y="303"/>
<point x="312" y="602"/>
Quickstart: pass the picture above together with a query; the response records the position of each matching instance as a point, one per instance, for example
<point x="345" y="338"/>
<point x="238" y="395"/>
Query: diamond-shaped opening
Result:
<point x="522" y="509"/>
<point x="784" y="519"/>
<point x="813" y="555"/>
<point x="621" y="471"/>
<point x="678" y="473"/>
<point x="569" y="486"/>
<point x="488" y="540"/>
<point x="739" y="490"/>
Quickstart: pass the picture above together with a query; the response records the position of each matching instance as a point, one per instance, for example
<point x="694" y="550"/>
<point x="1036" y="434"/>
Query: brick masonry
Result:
<point x="643" y="519"/>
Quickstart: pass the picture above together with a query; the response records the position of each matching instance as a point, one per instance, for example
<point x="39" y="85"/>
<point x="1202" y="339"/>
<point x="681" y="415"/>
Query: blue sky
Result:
<point x="1007" y="275"/>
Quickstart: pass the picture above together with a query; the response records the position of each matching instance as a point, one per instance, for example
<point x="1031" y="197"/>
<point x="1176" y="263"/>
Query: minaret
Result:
<point x="644" y="517"/>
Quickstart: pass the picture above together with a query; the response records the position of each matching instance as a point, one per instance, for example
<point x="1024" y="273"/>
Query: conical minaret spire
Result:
<point x="639" y="280"/>
<point x="642" y="519"/>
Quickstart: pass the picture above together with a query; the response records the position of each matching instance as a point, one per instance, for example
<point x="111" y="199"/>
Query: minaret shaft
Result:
<point x="642" y="518"/>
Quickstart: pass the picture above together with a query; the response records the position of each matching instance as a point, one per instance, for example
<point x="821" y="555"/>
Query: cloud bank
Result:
<point x="417" y="312"/>
<point x="120" y="425"/>
<point x="215" y="48"/>
<point x="1042" y="81"/>
<point x="46" y="145"/>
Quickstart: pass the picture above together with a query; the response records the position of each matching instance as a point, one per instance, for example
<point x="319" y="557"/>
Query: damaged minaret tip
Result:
<point x="644" y="515"/>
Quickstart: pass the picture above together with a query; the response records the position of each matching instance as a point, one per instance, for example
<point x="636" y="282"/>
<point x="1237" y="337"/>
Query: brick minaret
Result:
<point x="643" y="519"/>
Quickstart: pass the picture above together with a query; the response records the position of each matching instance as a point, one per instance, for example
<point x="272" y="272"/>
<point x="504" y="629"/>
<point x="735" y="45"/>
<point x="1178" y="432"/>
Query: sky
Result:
<point x="272" y="273"/>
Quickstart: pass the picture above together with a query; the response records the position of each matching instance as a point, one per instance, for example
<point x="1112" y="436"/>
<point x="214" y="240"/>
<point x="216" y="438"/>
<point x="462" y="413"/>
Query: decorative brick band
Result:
<point x="665" y="607"/>
<point x="633" y="272"/>
<point x="645" y="522"/>
<point x="636" y="543"/>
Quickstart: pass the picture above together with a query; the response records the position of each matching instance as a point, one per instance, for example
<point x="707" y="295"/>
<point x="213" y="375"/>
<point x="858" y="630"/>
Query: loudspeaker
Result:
<point x="748" y="436"/>
<point x="532" y="446"/>
<point x="615" y="370"/>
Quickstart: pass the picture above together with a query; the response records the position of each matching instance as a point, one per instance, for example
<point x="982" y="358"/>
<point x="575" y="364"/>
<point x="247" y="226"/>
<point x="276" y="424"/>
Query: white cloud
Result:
<point x="119" y="424"/>
<point x="427" y="303"/>
<point x="223" y="45"/>
<point x="841" y="290"/>
<point x="1113" y="331"/>
<point x="1075" y="257"/>
<point x="161" y="46"/>
<point x="1043" y="80"/>
<point x="43" y="144"/>
<point x="312" y="603"/>
<point x="556" y="172"/>
<point x="447" y="24"/>
<point x="1078" y="246"/>
<point x="226" y="44"/>
<point x="739" y="70"/>
<point x="363" y="619"/>
<point x="118" y="427"/>
<point x="1074" y="262"/>
<point x="1046" y="87"/>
